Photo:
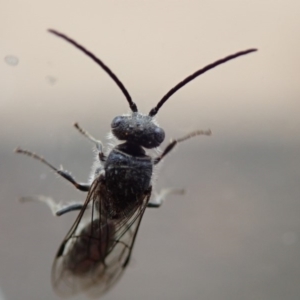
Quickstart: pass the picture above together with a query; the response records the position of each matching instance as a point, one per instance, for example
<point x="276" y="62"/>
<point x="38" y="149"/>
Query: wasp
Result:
<point x="98" y="247"/>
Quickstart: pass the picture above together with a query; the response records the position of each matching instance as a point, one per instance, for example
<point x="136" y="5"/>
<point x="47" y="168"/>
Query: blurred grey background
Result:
<point x="236" y="232"/>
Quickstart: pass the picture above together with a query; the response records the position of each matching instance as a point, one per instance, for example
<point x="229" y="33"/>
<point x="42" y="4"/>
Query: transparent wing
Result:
<point x="97" y="248"/>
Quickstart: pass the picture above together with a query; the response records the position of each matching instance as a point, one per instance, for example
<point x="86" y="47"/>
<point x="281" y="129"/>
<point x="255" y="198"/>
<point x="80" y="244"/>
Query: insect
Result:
<point x="98" y="247"/>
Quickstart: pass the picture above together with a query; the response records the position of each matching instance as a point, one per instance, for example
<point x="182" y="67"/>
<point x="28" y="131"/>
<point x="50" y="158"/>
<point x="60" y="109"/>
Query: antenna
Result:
<point x="132" y="105"/>
<point x="182" y="83"/>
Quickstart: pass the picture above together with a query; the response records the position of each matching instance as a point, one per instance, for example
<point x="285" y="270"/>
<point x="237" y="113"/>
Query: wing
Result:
<point x="97" y="248"/>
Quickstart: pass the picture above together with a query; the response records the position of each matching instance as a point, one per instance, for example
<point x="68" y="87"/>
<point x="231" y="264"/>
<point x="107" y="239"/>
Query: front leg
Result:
<point x="172" y="144"/>
<point x="97" y="143"/>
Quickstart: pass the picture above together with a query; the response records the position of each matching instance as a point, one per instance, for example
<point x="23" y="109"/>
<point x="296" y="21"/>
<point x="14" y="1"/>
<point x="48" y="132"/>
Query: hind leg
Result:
<point x="58" y="209"/>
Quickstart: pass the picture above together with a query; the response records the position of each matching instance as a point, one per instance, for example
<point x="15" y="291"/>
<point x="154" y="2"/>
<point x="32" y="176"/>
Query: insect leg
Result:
<point x="71" y="207"/>
<point x="161" y="196"/>
<point x="172" y="144"/>
<point x="98" y="143"/>
<point x="65" y="174"/>
<point x="57" y="208"/>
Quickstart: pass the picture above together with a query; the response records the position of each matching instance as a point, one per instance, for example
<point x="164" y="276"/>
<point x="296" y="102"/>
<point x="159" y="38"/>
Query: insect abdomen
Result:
<point x="89" y="248"/>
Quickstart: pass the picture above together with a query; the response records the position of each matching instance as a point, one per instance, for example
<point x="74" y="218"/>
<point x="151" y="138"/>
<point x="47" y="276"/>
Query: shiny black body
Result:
<point x="98" y="246"/>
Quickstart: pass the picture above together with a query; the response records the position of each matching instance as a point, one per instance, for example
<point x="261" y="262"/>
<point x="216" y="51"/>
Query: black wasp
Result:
<point x="98" y="246"/>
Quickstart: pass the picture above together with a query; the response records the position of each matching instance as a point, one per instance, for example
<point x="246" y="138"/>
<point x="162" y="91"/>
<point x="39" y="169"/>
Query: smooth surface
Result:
<point x="236" y="233"/>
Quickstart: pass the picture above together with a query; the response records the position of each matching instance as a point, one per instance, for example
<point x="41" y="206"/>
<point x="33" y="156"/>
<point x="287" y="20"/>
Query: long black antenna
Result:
<point x="132" y="105"/>
<point x="182" y="83"/>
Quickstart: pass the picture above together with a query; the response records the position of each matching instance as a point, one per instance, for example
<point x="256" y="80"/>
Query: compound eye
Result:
<point x="116" y="122"/>
<point x="159" y="135"/>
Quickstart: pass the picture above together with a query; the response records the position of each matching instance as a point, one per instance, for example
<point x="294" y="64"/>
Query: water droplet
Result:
<point x="11" y="60"/>
<point x="51" y="79"/>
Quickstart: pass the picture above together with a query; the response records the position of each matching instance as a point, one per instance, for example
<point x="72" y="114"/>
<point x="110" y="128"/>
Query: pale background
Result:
<point x="236" y="233"/>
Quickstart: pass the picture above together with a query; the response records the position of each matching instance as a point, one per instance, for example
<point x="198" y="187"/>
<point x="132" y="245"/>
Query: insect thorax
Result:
<point x="128" y="172"/>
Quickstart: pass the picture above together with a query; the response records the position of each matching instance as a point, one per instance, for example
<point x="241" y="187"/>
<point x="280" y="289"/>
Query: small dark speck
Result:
<point x="51" y="79"/>
<point x="11" y="60"/>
